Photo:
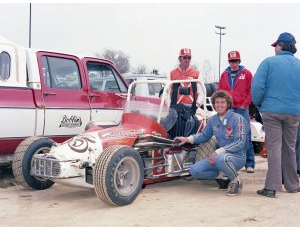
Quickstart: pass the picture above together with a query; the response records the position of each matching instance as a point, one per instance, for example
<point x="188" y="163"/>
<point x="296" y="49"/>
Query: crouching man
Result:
<point x="230" y="131"/>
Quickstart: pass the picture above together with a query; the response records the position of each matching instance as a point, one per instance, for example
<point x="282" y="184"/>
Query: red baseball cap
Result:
<point x="232" y="55"/>
<point x="185" y="52"/>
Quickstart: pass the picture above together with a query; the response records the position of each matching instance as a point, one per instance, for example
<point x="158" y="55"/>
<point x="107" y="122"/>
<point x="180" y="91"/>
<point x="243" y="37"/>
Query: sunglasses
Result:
<point x="186" y="57"/>
<point x="234" y="61"/>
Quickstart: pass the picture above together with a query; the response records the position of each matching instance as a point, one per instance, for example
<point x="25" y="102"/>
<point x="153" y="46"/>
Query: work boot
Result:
<point x="267" y="193"/>
<point x="223" y="184"/>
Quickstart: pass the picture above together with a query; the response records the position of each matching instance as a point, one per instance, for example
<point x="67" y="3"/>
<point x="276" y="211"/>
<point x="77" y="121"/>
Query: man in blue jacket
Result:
<point x="276" y="93"/>
<point x="230" y="131"/>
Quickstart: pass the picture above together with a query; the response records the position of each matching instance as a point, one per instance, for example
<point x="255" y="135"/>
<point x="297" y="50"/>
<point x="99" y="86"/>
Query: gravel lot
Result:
<point x="173" y="203"/>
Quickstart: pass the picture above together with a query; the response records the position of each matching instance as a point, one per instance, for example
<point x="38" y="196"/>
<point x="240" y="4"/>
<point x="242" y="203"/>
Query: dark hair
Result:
<point x="288" y="46"/>
<point x="222" y="94"/>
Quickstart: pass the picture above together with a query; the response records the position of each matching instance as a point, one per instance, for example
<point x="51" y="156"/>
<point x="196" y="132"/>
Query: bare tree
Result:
<point x="141" y="69"/>
<point x="207" y="71"/>
<point x="119" y="59"/>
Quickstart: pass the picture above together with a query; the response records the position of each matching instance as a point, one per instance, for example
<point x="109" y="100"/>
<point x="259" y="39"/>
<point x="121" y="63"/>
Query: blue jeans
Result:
<point x="250" y="155"/>
<point x="228" y="163"/>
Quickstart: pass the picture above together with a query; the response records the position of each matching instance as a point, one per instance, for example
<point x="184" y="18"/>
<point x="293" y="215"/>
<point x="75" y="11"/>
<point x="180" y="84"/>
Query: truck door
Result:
<point x="107" y="91"/>
<point x="67" y="109"/>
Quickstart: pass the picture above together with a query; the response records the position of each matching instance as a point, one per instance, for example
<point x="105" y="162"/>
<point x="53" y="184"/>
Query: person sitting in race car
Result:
<point x="185" y="97"/>
<point x="231" y="134"/>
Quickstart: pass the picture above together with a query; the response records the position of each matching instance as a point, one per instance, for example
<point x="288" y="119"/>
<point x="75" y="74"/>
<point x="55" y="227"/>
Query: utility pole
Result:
<point x="29" y="43"/>
<point x="220" y="34"/>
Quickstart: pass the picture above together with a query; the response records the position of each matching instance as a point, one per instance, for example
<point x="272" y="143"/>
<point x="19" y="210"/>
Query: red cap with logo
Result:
<point x="233" y="55"/>
<point x="185" y="52"/>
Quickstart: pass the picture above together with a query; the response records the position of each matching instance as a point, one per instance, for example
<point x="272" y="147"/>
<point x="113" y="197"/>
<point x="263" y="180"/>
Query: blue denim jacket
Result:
<point x="230" y="132"/>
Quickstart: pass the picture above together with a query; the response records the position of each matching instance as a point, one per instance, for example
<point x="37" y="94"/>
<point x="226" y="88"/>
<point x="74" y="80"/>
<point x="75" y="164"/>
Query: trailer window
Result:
<point x="5" y="62"/>
<point x="61" y="73"/>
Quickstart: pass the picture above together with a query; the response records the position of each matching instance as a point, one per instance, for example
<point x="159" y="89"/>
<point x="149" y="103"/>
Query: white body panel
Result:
<point x="17" y="122"/>
<point x="65" y="121"/>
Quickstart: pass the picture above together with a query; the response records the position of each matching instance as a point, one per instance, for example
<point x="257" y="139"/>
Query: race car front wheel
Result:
<point x="22" y="162"/>
<point x="118" y="175"/>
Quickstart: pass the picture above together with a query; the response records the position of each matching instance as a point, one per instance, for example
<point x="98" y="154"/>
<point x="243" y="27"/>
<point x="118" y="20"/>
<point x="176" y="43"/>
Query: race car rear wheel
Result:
<point x="22" y="162"/>
<point x="205" y="150"/>
<point x="118" y="175"/>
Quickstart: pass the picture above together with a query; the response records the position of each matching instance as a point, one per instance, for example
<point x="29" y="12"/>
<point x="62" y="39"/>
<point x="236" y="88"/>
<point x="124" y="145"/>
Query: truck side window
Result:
<point x="4" y="65"/>
<point x="103" y="78"/>
<point x="61" y="73"/>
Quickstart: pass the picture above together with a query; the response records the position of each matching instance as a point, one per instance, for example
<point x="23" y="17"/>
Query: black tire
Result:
<point x="22" y="162"/>
<point x="205" y="150"/>
<point x="105" y="178"/>
<point x="258" y="147"/>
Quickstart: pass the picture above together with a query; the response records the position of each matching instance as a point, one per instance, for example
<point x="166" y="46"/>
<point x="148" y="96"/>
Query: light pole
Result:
<point x="29" y="41"/>
<point x="220" y="34"/>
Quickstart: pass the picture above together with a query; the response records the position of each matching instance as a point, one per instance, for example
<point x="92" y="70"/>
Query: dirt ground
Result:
<point x="174" y="203"/>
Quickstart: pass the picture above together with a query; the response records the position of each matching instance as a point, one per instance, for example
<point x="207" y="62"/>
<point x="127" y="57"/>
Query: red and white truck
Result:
<point x="45" y="93"/>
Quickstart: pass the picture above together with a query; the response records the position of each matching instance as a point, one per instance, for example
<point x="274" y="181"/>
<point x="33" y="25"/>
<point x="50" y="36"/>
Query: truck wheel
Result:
<point x="22" y="162"/>
<point x="258" y="147"/>
<point x="118" y="175"/>
<point x="205" y="150"/>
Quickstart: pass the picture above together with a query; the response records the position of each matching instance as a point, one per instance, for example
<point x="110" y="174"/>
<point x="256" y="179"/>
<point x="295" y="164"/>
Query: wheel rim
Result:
<point x="126" y="176"/>
<point x="42" y="150"/>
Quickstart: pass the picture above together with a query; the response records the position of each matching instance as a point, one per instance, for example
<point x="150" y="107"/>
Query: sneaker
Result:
<point x="234" y="188"/>
<point x="267" y="193"/>
<point x="250" y="170"/>
<point x="223" y="184"/>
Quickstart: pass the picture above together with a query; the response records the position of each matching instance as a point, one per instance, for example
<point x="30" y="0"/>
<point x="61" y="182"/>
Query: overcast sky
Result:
<point x="152" y="34"/>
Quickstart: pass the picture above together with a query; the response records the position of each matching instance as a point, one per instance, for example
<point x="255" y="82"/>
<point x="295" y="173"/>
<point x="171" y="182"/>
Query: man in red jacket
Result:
<point x="237" y="80"/>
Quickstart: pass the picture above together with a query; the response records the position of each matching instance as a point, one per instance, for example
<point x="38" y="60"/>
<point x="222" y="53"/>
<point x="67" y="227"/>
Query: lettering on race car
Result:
<point x="122" y="134"/>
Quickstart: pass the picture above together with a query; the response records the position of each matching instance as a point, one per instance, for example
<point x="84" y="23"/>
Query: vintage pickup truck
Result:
<point x="54" y="94"/>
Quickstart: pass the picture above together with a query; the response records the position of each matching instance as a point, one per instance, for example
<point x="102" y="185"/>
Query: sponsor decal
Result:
<point x="233" y="54"/>
<point x="124" y="134"/>
<point x="71" y="122"/>
<point x="242" y="76"/>
<point x="229" y="131"/>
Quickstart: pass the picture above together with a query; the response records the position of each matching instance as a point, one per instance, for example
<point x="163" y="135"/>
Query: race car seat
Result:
<point x="187" y="123"/>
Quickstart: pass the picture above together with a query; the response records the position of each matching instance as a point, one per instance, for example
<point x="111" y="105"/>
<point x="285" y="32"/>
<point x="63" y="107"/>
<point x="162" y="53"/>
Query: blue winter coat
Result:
<point x="276" y="84"/>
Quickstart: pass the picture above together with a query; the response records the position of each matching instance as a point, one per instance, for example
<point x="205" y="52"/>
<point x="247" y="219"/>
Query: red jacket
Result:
<point x="241" y="91"/>
<point x="190" y="73"/>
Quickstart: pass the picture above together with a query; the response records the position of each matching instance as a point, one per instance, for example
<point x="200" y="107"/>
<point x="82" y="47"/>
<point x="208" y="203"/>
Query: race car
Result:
<point x="117" y="161"/>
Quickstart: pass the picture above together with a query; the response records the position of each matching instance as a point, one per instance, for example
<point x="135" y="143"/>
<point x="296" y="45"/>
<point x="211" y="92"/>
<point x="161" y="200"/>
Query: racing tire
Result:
<point x="22" y="162"/>
<point x="258" y="147"/>
<point x="205" y="150"/>
<point x="118" y="175"/>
